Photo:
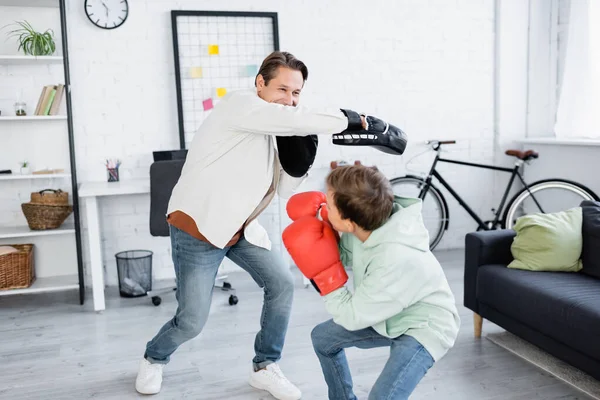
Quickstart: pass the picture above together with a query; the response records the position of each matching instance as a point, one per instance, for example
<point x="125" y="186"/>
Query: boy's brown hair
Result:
<point x="361" y="194"/>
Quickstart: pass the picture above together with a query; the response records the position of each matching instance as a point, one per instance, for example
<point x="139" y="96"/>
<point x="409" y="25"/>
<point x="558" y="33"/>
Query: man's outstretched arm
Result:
<point x="261" y="117"/>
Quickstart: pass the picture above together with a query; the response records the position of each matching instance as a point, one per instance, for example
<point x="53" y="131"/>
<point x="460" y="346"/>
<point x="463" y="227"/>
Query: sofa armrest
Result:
<point x="484" y="248"/>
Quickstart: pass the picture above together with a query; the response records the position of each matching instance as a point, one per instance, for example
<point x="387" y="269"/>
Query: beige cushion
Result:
<point x="548" y="242"/>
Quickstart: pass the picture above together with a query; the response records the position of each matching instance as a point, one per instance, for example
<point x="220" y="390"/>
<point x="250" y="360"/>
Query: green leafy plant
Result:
<point x="34" y="43"/>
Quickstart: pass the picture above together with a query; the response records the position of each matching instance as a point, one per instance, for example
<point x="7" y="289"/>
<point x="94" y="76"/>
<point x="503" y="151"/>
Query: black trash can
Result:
<point x="135" y="272"/>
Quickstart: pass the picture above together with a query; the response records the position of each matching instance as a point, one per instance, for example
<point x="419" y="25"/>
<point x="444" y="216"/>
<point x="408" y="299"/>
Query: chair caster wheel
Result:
<point x="156" y="300"/>
<point x="233" y="300"/>
<point x="226" y="285"/>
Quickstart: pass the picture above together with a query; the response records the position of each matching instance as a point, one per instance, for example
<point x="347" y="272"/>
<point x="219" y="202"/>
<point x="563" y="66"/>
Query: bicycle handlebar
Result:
<point x="440" y="142"/>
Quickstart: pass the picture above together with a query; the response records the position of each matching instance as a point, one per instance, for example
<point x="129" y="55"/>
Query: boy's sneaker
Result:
<point x="149" y="377"/>
<point x="273" y="381"/>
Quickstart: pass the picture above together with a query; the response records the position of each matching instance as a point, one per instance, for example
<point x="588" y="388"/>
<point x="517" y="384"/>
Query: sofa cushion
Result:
<point x="562" y="305"/>
<point x="548" y="242"/>
<point x="590" y="254"/>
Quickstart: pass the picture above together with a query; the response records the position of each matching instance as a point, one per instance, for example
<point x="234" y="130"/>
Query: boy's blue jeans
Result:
<point x="408" y="363"/>
<point x="196" y="266"/>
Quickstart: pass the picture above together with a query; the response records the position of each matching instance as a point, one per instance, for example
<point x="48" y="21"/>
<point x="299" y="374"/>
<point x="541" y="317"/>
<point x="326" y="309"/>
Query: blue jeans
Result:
<point x="196" y="266"/>
<point x="408" y="363"/>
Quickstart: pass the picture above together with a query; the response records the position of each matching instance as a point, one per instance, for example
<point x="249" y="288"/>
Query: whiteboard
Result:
<point x="216" y="52"/>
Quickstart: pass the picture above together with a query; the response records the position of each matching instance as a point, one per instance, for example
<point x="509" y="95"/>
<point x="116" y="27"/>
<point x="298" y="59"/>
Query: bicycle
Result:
<point x="518" y="206"/>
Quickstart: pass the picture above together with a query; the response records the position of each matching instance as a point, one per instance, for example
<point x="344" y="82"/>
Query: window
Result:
<point x="578" y="110"/>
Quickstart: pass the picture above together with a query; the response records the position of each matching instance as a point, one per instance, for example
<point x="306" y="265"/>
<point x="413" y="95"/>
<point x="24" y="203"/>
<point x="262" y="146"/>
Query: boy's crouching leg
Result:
<point x="321" y="337"/>
<point x="408" y="363"/>
<point x="329" y="340"/>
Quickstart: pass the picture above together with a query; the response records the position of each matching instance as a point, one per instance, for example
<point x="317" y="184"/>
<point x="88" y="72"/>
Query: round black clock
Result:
<point x="107" y="14"/>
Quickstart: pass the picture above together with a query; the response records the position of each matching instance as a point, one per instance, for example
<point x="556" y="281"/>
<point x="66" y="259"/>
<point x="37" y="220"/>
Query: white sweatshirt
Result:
<point x="231" y="162"/>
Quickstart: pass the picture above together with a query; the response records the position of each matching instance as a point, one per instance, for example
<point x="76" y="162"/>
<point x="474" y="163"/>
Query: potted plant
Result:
<point x="34" y="43"/>
<point x="25" y="168"/>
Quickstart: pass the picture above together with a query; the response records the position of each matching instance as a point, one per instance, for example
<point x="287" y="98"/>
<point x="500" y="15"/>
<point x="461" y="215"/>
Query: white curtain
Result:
<point x="578" y="111"/>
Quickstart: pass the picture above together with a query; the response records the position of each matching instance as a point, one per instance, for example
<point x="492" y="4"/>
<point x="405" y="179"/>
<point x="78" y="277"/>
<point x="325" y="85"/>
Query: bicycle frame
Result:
<point x="434" y="173"/>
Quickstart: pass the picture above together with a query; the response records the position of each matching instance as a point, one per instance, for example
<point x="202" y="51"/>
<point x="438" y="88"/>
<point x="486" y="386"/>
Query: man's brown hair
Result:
<point x="276" y="59"/>
<point x="361" y="194"/>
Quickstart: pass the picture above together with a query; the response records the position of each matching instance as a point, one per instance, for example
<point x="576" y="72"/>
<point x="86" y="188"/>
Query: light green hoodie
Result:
<point x="399" y="286"/>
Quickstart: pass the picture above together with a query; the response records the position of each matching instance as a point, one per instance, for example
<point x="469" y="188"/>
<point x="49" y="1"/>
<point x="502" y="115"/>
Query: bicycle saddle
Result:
<point x="522" y="155"/>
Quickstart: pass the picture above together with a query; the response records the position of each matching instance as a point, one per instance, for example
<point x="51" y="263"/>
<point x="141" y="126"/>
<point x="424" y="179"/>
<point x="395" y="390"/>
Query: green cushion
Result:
<point x="548" y="242"/>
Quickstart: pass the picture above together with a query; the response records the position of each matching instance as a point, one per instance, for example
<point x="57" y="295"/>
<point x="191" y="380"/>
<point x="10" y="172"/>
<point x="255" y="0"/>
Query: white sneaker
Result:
<point x="272" y="380"/>
<point x="149" y="377"/>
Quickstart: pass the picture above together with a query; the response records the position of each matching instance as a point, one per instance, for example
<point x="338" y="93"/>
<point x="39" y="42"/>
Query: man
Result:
<point x="231" y="174"/>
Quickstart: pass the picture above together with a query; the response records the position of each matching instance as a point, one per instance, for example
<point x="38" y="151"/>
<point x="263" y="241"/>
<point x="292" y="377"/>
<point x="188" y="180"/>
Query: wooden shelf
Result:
<point x="4" y="60"/>
<point x="45" y="285"/>
<point x="12" y="177"/>
<point x="24" y="231"/>
<point x="57" y="255"/>
<point x="34" y="118"/>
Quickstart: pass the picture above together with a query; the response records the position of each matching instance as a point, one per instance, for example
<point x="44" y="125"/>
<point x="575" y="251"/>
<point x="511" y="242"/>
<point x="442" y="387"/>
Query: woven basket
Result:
<point x="16" y="269"/>
<point x="43" y="216"/>
<point x="50" y="197"/>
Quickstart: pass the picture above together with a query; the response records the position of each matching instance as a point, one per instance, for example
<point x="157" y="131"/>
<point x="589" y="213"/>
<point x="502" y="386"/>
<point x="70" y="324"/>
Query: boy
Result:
<point x="401" y="297"/>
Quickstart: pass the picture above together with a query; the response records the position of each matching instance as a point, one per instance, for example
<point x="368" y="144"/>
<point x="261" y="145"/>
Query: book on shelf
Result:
<point x="50" y="100"/>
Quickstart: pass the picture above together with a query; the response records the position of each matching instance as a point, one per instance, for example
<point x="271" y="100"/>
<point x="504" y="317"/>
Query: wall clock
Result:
<point x="107" y="14"/>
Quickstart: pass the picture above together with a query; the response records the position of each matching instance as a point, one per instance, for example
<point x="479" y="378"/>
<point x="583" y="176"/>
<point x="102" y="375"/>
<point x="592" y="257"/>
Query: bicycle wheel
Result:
<point x="435" y="210"/>
<point x="546" y="196"/>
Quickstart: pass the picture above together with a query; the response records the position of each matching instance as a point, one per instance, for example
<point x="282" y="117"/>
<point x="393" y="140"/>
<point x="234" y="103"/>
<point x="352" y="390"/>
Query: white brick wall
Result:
<point x="425" y="66"/>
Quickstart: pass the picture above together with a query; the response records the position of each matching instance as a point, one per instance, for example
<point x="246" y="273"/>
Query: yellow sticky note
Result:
<point x="196" y="72"/>
<point x="213" y="49"/>
<point x="221" y="92"/>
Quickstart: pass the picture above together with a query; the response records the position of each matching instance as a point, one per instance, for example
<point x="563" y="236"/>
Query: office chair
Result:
<point x="163" y="177"/>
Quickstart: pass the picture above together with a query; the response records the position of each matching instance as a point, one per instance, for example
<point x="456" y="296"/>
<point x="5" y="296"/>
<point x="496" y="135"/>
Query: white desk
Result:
<point x="89" y="192"/>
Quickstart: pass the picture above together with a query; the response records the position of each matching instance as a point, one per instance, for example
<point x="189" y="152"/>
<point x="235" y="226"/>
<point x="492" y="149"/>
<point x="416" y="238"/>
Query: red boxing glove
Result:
<point x="304" y="204"/>
<point x="312" y="244"/>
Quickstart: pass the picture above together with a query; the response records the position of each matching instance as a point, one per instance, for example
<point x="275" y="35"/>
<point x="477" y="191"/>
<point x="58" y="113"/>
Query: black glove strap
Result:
<point x="354" y="122"/>
<point x="315" y="286"/>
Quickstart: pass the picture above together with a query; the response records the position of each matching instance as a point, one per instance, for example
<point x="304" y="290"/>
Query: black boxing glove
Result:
<point x="378" y="134"/>
<point x="297" y="153"/>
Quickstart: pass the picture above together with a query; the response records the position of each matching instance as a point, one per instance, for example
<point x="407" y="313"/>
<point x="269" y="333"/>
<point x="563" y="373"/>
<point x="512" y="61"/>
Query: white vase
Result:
<point x="25" y="171"/>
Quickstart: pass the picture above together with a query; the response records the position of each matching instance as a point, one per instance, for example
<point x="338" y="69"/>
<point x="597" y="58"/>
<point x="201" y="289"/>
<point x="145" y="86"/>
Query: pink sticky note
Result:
<point x="207" y="104"/>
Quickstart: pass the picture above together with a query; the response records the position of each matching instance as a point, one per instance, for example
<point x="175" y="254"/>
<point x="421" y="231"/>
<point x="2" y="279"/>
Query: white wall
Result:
<point x="572" y="161"/>
<point x="426" y="66"/>
<point x="511" y="53"/>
